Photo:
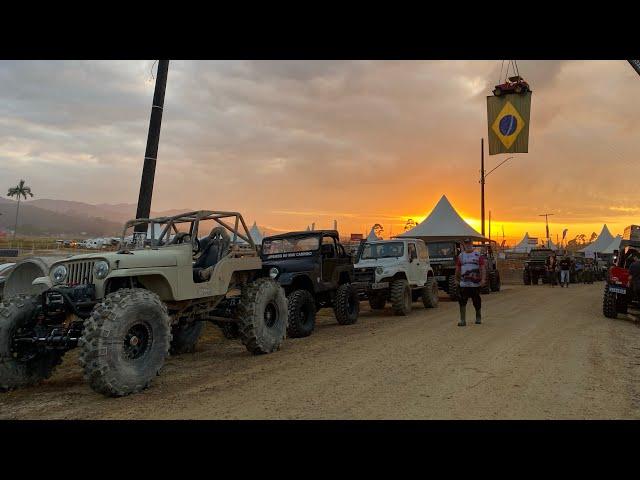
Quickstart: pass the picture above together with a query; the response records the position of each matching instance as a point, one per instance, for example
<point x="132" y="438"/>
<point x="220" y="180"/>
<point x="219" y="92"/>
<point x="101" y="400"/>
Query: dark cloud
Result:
<point x="267" y="136"/>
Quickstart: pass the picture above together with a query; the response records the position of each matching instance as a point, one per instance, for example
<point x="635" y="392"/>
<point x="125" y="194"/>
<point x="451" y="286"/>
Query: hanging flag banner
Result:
<point x="508" y="122"/>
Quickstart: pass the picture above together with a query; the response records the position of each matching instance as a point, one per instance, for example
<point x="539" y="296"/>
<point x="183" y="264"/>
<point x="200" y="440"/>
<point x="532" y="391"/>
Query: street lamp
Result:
<point x="483" y="176"/>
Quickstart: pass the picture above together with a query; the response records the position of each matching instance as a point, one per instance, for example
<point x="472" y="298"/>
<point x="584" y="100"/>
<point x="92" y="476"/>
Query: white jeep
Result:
<point x="396" y="270"/>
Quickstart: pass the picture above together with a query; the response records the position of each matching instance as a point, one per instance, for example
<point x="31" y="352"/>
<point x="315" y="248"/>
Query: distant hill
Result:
<point x="39" y="221"/>
<point x="65" y="217"/>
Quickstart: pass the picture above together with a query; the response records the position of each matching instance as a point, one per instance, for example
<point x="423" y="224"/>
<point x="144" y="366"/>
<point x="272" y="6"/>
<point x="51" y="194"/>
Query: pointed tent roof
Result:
<point x="614" y="245"/>
<point x="603" y="241"/>
<point x="256" y="234"/>
<point x="443" y="223"/>
<point x="372" y="236"/>
<point x="523" y="246"/>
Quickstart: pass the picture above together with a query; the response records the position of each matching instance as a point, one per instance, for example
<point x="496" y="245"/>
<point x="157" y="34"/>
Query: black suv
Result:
<point x="535" y="266"/>
<point x="316" y="272"/>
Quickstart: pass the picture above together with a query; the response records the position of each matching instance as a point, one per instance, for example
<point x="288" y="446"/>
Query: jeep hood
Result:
<point x="380" y="262"/>
<point x="165" y="257"/>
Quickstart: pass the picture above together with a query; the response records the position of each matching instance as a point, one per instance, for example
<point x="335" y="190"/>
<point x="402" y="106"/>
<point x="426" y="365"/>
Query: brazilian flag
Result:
<point x="508" y="120"/>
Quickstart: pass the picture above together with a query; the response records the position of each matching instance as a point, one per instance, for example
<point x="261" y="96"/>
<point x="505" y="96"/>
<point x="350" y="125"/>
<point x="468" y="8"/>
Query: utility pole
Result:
<point x="546" y="216"/>
<point x="489" y="224"/>
<point x="151" y="152"/>
<point x="482" y="181"/>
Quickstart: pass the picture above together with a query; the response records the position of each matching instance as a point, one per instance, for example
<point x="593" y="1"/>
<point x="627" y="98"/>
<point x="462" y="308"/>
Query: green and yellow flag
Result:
<point x="508" y="121"/>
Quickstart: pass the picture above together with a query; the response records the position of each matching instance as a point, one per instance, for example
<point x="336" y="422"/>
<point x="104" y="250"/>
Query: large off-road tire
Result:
<point x="302" y="314"/>
<point x="400" y="297"/>
<point x="494" y="282"/>
<point x="609" y="303"/>
<point x="125" y="342"/>
<point x="262" y="316"/>
<point x="377" y="301"/>
<point x="230" y="330"/>
<point x="15" y="372"/>
<point x="430" y="293"/>
<point x="346" y="306"/>
<point x="185" y="337"/>
<point x="526" y="277"/>
<point x="453" y="288"/>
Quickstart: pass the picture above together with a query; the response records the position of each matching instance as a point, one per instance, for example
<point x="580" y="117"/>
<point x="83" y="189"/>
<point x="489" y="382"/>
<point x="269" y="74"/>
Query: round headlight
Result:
<point x="59" y="274"/>
<point x="273" y="272"/>
<point x="101" y="269"/>
<point x="379" y="270"/>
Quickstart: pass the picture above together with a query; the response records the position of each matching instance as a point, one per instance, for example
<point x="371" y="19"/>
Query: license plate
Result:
<point x="623" y="291"/>
<point x="440" y="278"/>
<point x="378" y="286"/>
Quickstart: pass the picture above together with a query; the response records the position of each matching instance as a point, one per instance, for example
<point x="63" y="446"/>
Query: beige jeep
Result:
<point x="127" y="310"/>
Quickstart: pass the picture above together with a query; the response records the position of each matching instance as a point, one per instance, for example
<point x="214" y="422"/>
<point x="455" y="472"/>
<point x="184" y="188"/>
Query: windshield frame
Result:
<point x="291" y="253"/>
<point x="384" y="244"/>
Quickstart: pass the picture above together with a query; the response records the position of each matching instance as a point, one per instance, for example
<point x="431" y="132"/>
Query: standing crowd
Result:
<point x="559" y="271"/>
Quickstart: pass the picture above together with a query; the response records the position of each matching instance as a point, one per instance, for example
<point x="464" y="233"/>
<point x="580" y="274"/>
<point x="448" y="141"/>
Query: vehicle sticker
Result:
<point x="289" y="255"/>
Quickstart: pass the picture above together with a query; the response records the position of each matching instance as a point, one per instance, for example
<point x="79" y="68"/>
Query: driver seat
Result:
<point x="213" y="248"/>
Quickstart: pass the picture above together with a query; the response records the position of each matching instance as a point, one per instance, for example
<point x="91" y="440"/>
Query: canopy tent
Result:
<point x="525" y="245"/>
<point x="372" y="236"/>
<point x="603" y="241"/>
<point x="443" y="223"/>
<point x="614" y="245"/>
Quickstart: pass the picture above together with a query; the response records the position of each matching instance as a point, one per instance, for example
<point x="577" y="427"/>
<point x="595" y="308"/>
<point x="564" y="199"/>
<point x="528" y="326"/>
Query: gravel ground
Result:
<point x="541" y="353"/>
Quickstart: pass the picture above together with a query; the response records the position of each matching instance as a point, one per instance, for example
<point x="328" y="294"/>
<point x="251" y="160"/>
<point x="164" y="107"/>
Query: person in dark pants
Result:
<point x="471" y="275"/>
<point x="551" y="264"/>
<point x="565" y="268"/>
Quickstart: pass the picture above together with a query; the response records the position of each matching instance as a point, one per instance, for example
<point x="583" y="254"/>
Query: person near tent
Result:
<point x="471" y="275"/>
<point x="588" y="272"/>
<point x="551" y="264"/>
<point x="565" y="268"/>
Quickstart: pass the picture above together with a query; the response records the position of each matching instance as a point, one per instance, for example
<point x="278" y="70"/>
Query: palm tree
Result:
<point x="19" y="191"/>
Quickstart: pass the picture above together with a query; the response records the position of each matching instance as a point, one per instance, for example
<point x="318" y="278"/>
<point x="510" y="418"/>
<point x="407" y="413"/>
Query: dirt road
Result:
<point x="541" y="353"/>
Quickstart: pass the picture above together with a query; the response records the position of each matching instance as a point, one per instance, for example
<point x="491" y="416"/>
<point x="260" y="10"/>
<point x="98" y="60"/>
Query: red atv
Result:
<point x="618" y="293"/>
<point x="513" y="85"/>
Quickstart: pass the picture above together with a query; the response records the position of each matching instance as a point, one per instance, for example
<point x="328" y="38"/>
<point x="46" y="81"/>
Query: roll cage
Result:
<point x="169" y="226"/>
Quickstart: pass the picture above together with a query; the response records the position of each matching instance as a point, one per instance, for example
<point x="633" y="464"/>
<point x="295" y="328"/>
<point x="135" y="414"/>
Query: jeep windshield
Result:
<point x="441" y="249"/>
<point x="382" y="250"/>
<point x="540" y="254"/>
<point x="290" y="245"/>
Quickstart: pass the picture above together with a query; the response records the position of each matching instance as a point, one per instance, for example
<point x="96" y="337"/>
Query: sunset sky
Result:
<point x="289" y="143"/>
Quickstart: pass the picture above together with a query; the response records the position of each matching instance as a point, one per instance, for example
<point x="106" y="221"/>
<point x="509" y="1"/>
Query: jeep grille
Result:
<point x="80" y="273"/>
<point x="364" y="274"/>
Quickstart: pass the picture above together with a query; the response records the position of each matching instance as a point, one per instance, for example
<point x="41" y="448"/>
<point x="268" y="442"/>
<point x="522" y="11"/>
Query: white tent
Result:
<point x="550" y="245"/>
<point x="443" y="223"/>
<point x="614" y="245"/>
<point x="603" y="241"/>
<point x="372" y="236"/>
<point x="524" y="246"/>
<point x="256" y="234"/>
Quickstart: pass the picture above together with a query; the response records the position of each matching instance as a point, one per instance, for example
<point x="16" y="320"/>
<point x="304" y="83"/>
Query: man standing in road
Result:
<point x="565" y="267"/>
<point x="471" y="275"/>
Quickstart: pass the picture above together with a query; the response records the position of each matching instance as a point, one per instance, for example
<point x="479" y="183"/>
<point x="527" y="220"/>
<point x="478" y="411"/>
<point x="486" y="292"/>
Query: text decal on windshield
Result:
<point x="290" y="255"/>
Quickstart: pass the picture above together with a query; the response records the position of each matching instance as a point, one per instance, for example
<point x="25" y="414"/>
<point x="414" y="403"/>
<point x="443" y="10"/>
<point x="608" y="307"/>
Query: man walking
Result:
<point x="565" y="268"/>
<point x="471" y="275"/>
